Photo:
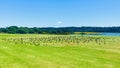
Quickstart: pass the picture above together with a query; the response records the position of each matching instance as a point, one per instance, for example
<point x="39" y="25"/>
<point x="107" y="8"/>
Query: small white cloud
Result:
<point x="59" y="22"/>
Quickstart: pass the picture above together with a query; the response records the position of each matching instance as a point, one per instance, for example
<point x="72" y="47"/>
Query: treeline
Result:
<point x="52" y="30"/>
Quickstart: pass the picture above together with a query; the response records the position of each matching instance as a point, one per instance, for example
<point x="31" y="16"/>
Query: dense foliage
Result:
<point x="52" y="30"/>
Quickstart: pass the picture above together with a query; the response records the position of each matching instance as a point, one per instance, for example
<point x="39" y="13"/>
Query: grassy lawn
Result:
<point x="80" y="56"/>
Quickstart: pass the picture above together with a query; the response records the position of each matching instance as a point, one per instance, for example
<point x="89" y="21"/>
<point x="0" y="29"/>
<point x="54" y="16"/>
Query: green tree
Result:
<point x="12" y="29"/>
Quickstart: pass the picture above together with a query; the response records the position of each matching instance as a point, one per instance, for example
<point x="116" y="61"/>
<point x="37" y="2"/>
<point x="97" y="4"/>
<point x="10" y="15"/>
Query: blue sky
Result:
<point x="59" y="13"/>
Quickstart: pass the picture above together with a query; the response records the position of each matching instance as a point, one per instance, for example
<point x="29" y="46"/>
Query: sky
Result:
<point x="59" y="13"/>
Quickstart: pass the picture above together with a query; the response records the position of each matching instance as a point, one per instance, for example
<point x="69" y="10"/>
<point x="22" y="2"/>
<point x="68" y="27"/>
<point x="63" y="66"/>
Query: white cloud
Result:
<point x="59" y="22"/>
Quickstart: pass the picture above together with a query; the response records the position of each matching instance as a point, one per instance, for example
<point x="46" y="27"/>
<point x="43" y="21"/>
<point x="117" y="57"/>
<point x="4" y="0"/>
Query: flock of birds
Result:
<point x="58" y="40"/>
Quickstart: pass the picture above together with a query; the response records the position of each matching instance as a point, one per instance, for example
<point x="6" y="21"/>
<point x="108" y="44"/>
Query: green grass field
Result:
<point x="62" y="55"/>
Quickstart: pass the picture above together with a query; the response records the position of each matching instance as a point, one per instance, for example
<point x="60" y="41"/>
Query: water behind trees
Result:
<point x="103" y="34"/>
<point x="107" y="34"/>
<point x="110" y="34"/>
